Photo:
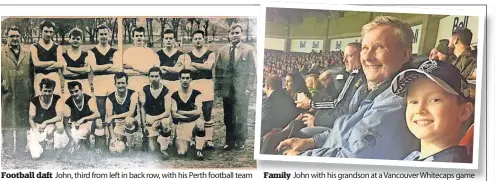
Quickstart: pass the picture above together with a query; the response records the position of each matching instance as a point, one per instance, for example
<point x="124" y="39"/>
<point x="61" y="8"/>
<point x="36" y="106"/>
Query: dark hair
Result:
<point x="48" y="24"/>
<point x="298" y="84"/>
<point x="155" y="69"/>
<point x="184" y="71"/>
<point x="119" y="75"/>
<point x="102" y="27"/>
<point x="73" y="84"/>
<point x="168" y="31"/>
<point x="12" y="28"/>
<point x="274" y="82"/>
<point x="233" y="27"/>
<point x="75" y="32"/>
<point x="49" y="83"/>
<point x="198" y="31"/>
<point x="138" y="29"/>
<point x="443" y="41"/>
<point x="464" y="34"/>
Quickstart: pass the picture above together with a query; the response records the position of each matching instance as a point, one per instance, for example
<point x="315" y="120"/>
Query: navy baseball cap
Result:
<point x="444" y="74"/>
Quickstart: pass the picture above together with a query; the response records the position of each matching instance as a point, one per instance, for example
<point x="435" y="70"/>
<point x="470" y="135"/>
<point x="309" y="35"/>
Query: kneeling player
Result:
<point x="155" y="99"/>
<point x="121" y="113"/>
<point x="45" y="120"/>
<point x="186" y="113"/>
<point x="82" y="112"/>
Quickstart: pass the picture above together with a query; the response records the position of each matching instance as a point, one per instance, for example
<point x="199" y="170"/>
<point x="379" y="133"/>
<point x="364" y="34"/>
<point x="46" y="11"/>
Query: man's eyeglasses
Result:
<point x="14" y="36"/>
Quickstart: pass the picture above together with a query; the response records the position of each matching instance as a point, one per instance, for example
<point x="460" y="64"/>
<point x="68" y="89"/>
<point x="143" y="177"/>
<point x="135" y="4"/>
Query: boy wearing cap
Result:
<point x="437" y="104"/>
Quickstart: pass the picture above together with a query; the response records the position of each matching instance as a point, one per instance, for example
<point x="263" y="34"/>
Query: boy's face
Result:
<point x="432" y="113"/>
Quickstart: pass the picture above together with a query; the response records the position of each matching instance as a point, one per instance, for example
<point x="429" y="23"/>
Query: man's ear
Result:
<point x="407" y="54"/>
<point x="467" y="111"/>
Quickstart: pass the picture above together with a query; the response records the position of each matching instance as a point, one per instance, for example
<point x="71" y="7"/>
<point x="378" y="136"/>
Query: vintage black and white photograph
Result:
<point x="128" y="92"/>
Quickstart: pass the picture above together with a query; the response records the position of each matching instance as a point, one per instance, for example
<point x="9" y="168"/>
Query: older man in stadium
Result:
<point x="324" y="110"/>
<point x="375" y="125"/>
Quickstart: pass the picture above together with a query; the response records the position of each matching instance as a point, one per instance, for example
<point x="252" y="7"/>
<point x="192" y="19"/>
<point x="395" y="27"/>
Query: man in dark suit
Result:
<point x="235" y="78"/>
<point x="17" y="89"/>
<point x="278" y="108"/>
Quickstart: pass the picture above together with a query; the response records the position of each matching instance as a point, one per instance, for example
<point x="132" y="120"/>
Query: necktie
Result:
<point x="232" y="58"/>
<point x="232" y="53"/>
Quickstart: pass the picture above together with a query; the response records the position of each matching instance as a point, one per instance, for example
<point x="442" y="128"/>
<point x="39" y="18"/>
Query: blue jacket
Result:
<point x="451" y="154"/>
<point x="373" y="128"/>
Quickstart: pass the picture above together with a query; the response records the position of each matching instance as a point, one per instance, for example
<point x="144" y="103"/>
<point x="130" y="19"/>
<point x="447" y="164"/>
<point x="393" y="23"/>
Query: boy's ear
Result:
<point x="467" y="111"/>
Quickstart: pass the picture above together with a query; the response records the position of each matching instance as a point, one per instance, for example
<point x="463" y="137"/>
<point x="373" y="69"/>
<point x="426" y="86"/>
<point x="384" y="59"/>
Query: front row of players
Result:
<point x="56" y="124"/>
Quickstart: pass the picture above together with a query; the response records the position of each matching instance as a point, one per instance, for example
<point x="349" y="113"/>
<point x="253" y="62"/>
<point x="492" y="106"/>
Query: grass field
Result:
<point x="85" y="160"/>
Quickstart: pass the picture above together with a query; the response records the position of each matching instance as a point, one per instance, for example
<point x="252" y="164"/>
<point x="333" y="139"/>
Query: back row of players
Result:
<point x="168" y="83"/>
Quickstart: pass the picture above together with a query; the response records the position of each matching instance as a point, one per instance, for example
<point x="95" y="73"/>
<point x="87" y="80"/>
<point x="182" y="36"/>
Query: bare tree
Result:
<point x="129" y="24"/>
<point x="174" y="23"/>
<point x="62" y="28"/>
<point x="163" y="22"/>
<point x="206" y="24"/>
<point x="250" y="27"/>
<point x="231" y="21"/>
<point x="114" y="31"/>
<point x="191" y="27"/>
<point x="198" y="22"/>
<point x="90" y="27"/>
<point x="149" y="27"/>
<point x="214" y="28"/>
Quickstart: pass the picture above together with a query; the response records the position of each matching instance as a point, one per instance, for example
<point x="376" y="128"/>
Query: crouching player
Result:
<point x="437" y="105"/>
<point x="83" y="113"/>
<point x="121" y="113"/>
<point x="45" y="120"/>
<point x="155" y="105"/>
<point x="186" y="114"/>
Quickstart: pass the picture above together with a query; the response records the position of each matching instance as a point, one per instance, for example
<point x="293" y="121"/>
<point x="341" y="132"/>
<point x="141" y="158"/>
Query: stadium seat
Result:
<point x="468" y="140"/>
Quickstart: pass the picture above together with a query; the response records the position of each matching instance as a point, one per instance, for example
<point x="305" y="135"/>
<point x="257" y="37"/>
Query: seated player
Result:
<point x="121" y="113"/>
<point x="186" y="114"/>
<point x="155" y="102"/>
<point x="82" y="111"/>
<point x="437" y="105"/>
<point x="45" y="120"/>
